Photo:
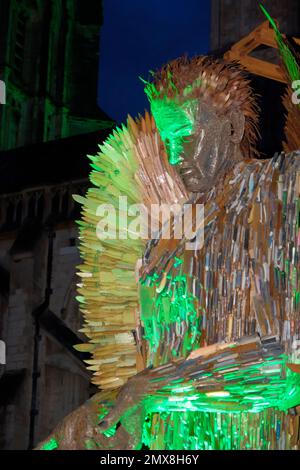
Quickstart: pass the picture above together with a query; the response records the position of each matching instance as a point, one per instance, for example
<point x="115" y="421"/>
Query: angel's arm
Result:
<point x="250" y="374"/>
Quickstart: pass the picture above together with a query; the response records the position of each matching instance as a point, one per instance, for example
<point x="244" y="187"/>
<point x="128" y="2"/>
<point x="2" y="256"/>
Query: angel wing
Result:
<point x="132" y="163"/>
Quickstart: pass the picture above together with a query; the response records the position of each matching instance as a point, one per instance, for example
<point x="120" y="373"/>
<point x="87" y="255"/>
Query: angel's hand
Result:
<point x="146" y="383"/>
<point x="129" y="402"/>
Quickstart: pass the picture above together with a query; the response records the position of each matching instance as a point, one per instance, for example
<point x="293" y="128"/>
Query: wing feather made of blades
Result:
<point x="291" y="66"/>
<point x="131" y="163"/>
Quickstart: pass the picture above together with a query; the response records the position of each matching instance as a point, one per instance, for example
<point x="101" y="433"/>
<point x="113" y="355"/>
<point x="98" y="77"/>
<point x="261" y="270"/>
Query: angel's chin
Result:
<point x="196" y="185"/>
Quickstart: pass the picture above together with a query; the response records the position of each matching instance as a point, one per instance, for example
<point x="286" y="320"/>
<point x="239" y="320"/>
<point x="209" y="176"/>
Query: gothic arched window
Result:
<point x="20" y="38"/>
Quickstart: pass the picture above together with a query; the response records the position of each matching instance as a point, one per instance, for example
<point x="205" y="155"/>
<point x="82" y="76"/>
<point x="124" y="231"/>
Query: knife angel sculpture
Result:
<point x="194" y="340"/>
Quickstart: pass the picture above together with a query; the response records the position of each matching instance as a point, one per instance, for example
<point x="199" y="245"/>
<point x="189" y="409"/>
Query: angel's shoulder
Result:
<point x="286" y="163"/>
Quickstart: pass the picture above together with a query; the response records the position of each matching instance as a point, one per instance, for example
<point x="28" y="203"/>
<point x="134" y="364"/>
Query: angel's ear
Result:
<point x="237" y="126"/>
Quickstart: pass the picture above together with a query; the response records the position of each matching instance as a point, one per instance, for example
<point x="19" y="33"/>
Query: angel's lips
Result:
<point x="191" y="177"/>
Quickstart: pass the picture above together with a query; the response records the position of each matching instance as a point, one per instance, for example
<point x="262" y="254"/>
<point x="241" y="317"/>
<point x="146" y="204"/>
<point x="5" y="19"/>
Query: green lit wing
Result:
<point x="131" y="163"/>
<point x="107" y="289"/>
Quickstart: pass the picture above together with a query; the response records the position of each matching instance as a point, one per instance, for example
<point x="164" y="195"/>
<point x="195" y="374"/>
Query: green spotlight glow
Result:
<point x="50" y="445"/>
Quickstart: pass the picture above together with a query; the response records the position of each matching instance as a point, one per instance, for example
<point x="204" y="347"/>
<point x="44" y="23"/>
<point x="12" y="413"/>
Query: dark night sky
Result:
<point x="141" y="35"/>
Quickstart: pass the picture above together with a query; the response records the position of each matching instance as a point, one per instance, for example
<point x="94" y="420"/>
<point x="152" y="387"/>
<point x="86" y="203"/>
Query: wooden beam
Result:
<point x="263" y="68"/>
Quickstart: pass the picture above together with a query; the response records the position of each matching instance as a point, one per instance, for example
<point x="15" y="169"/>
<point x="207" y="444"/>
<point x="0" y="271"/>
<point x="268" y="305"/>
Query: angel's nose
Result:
<point x="174" y="151"/>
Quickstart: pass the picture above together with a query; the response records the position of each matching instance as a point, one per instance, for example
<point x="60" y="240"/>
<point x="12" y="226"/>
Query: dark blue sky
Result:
<point x="141" y="35"/>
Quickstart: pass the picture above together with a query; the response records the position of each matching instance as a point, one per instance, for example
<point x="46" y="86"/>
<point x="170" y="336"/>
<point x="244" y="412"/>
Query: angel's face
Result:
<point x="198" y="141"/>
<point x="176" y="123"/>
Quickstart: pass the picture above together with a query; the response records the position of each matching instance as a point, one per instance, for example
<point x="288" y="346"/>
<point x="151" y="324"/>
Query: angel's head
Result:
<point x="206" y="115"/>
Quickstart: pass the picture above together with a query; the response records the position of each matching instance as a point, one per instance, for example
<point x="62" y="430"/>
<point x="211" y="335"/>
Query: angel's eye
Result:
<point x="174" y="149"/>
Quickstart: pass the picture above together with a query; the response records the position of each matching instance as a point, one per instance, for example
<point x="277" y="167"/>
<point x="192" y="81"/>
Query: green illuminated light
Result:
<point x="174" y="122"/>
<point x="111" y="431"/>
<point x="218" y="394"/>
<point x="287" y="55"/>
<point x="50" y="445"/>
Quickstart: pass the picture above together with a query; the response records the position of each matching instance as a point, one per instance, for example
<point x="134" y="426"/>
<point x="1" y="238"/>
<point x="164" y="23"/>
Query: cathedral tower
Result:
<point x="49" y="63"/>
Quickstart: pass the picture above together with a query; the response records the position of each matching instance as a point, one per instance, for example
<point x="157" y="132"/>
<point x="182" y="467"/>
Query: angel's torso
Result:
<point x="245" y="278"/>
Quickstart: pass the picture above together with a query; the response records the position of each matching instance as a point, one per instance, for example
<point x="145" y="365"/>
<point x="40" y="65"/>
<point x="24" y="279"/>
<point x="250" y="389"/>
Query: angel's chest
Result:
<point x="241" y="281"/>
<point x="205" y="297"/>
<point x="222" y="280"/>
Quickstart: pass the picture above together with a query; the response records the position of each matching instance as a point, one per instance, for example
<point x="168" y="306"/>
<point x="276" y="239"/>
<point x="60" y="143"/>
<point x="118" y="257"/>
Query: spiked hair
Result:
<point x="221" y="84"/>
